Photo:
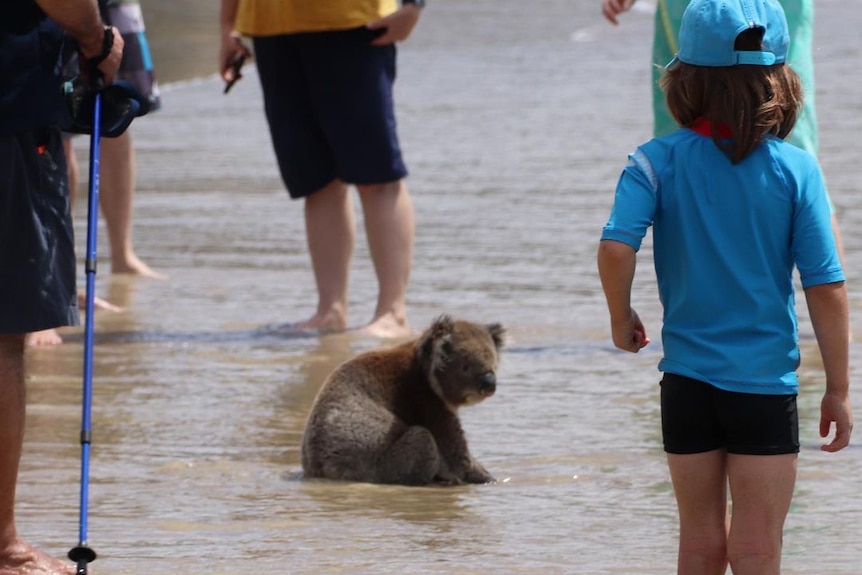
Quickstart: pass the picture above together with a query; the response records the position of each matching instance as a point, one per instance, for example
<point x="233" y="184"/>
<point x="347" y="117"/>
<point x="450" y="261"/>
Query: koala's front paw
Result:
<point x="444" y="477"/>
<point x="478" y="474"/>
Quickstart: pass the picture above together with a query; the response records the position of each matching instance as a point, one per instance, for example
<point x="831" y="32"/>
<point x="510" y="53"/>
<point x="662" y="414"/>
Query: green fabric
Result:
<point x="800" y="21"/>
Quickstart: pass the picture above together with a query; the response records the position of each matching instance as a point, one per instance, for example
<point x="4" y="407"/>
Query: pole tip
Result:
<point x="82" y="553"/>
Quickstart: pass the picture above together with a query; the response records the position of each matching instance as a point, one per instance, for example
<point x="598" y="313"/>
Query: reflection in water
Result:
<point x="417" y="505"/>
<point x="514" y="149"/>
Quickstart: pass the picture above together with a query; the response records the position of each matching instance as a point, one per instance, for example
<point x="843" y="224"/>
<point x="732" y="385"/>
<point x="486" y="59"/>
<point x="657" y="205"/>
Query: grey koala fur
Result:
<point x="391" y="415"/>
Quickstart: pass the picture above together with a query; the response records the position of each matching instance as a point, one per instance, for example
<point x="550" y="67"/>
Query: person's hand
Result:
<point x="613" y="8"/>
<point x="232" y="49"/>
<point x="397" y="26"/>
<point x="836" y="409"/>
<point x="94" y="51"/>
<point x="629" y="334"/>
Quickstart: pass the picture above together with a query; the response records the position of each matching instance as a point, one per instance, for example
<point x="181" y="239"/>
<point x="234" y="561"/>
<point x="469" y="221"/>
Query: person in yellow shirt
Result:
<point x="327" y="70"/>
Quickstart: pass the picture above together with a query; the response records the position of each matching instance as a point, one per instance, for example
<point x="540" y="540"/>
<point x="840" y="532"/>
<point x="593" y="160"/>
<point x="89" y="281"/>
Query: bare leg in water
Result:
<point x="389" y="225"/>
<point x="331" y="233"/>
<point x="118" y="179"/>
<point x="330" y="230"/>
<point x="17" y="557"/>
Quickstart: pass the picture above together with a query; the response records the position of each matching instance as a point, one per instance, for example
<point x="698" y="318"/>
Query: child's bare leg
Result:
<point x="761" y="487"/>
<point x="700" y="486"/>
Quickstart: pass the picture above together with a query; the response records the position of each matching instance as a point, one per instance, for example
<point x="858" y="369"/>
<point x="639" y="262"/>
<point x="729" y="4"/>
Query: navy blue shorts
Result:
<point x="37" y="246"/>
<point x="697" y="417"/>
<point x="328" y="101"/>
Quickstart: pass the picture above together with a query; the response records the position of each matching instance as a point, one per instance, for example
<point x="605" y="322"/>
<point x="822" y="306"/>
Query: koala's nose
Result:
<point x="489" y="383"/>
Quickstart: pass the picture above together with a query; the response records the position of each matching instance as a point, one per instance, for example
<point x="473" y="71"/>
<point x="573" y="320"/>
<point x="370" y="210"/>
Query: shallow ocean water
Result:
<point x="515" y="122"/>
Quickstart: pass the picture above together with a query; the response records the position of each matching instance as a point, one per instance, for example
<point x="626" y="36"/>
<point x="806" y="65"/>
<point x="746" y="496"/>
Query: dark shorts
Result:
<point x="37" y="246"/>
<point x="328" y="101"/>
<point x="137" y="64"/>
<point x="697" y="417"/>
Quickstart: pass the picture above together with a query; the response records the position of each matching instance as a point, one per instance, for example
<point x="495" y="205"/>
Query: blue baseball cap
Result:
<point x="709" y="29"/>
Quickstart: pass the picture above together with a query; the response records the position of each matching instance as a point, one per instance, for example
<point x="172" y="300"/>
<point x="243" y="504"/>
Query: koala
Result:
<point x="391" y="415"/>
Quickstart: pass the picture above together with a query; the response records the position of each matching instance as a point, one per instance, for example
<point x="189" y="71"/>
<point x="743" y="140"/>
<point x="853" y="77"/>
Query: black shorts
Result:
<point x="37" y="247"/>
<point x="697" y="417"/>
<point x="328" y="102"/>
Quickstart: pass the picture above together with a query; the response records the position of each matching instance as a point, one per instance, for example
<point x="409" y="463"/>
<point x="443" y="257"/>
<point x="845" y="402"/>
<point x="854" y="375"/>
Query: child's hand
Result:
<point x="836" y="409"/>
<point x="629" y="334"/>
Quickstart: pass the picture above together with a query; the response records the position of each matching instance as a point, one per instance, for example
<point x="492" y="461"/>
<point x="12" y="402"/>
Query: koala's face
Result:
<point x="463" y="362"/>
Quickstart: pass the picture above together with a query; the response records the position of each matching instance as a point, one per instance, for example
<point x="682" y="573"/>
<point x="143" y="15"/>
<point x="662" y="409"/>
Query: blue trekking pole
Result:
<point x="82" y="554"/>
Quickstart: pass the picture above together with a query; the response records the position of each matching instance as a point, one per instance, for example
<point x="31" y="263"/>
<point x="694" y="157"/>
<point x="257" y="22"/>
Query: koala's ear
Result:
<point x="441" y="335"/>
<point x="443" y="325"/>
<point x="497" y="332"/>
<point x="436" y="342"/>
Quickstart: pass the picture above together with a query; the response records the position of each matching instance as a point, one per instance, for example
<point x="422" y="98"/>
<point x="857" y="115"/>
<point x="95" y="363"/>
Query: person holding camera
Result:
<point x="37" y="258"/>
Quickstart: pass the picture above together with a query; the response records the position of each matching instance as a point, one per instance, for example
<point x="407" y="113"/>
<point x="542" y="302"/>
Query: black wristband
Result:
<point x="107" y="44"/>
<point x="417" y="3"/>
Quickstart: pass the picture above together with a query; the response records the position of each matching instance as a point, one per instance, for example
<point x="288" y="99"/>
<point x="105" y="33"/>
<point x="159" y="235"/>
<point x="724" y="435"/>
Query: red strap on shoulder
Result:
<point x="705" y="128"/>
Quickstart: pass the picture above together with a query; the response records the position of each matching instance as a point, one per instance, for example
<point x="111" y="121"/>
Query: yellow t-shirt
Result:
<point x="273" y="17"/>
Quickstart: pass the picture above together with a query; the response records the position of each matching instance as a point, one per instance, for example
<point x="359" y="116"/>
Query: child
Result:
<point x="733" y="208"/>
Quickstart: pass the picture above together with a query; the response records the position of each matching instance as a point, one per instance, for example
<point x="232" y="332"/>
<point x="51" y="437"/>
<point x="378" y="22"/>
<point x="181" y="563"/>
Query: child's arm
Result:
<point x="827" y="305"/>
<point x="617" y="271"/>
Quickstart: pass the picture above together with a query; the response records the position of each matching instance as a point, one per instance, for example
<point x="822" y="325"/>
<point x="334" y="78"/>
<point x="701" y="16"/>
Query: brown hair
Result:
<point x="751" y="100"/>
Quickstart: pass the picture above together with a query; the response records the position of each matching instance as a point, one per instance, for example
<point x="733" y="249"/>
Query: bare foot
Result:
<point x="387" y="327"/>
<point x="21" y="558"/>
<point x="332" y="322"/>
<point x="52" y="337"/>
<point x="132" y="265"/>
<point x="44" y="338"/>
<point x="98" y="303"/>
